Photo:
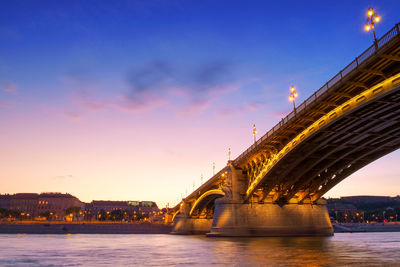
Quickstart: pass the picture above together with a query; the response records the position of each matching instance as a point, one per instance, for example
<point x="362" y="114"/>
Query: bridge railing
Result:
<point x="394" y="32"/>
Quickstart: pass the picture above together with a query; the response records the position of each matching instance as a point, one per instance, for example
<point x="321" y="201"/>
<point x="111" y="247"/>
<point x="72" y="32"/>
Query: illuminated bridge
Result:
<point x="275" y="186"/>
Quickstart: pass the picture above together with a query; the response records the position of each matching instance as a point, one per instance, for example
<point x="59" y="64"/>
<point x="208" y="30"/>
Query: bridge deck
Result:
<point x="378" y="62"/>
<point x="370" y="68"/>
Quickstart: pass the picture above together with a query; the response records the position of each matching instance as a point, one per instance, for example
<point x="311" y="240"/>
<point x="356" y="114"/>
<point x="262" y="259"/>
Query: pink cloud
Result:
<point x="87" y="101"/>
<point x="145" y="102"/>
<point x="73" y="115"/>
<point x="10" y="87"/>
<point x="5" y="105"/>
<point x="195" y="107"/>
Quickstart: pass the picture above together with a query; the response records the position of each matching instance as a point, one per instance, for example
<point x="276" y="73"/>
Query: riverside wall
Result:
<point x="84" y="228"/>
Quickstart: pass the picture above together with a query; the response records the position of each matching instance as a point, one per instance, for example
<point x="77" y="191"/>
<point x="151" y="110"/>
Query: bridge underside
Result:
<point x="274" y="188"/>
<point x="333" y="153"/>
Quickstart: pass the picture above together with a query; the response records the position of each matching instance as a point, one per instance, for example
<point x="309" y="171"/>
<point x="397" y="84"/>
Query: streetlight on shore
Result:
<point x="292" y="96"/>
<point x="371" y="20"/>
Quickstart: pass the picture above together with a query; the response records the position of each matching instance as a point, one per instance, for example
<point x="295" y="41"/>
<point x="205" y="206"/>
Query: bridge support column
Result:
<point x="268" y="219"/>
<point x="184" y="224"/>
<point x="191" y="226"/>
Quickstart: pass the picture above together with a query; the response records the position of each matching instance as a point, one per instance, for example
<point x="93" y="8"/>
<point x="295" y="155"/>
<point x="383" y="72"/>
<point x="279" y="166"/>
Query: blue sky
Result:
<point x="189" y="78"/>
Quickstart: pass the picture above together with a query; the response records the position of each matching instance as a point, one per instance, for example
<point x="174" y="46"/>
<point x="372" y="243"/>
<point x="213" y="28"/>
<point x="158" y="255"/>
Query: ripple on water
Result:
<point x="363" y="249"/>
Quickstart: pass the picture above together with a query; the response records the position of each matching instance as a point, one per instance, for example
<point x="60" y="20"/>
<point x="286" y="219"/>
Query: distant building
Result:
<point x="57" y="204"/>
<point x="367" y="199"/>
<point x="107" y="205"/>
<point x="26" y="203"/>
<point x="148" y="207"/>
<point x="343" y="208"/>
<point x="97" y="206"/>
<point x="5" y="201"/>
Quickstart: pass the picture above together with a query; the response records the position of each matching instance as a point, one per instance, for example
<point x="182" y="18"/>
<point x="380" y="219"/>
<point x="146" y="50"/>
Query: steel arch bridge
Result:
<point x="348" y="123"/>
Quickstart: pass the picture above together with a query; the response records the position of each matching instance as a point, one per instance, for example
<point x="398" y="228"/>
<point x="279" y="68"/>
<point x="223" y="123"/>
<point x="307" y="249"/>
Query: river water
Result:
<point x="357" y="249"/>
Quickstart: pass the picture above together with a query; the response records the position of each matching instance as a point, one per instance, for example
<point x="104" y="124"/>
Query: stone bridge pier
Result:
<point x="233" y="216"/>
<point x="185" y="224"/>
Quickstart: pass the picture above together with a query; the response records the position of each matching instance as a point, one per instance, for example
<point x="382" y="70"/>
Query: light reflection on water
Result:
<point x="362" y="249"/>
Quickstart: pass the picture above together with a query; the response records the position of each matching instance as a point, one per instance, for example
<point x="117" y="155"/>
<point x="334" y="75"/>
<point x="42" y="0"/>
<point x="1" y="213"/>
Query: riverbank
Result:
<point x="84" y="228"/>
<point x="151" y="228"/>
<point x="366" y="227"/>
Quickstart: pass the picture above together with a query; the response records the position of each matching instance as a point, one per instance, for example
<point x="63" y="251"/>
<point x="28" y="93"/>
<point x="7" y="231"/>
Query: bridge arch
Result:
<point x="173" y="216"/>
<point x="205" y="199"/>
<point x="350" y="136"/>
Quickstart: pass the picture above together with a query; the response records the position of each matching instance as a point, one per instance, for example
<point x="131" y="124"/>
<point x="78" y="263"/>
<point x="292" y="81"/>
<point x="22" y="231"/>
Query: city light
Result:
<point x="254" y="132"/>
<point x="371" y="20"/>
<point x="293" y="95"/>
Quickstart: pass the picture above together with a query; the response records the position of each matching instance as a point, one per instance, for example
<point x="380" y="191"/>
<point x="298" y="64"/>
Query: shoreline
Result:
<point x="152" y="228"/>
<point x="84" y="228"/>
<point x="366" y="227"/>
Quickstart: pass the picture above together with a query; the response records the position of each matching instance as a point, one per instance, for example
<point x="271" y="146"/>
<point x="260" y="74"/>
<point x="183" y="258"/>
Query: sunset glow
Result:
<point x="136" y="101"/>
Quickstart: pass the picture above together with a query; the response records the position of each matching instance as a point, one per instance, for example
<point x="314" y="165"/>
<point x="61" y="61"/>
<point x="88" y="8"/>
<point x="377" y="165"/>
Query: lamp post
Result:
<point x="254" y="132"/>
<point x="292" y="96"/>
<point x="229" y="154"/>
<point x="371" y="20"/>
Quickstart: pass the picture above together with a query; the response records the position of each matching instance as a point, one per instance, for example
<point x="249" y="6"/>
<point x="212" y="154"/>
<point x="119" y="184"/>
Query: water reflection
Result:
<point x="366" y="249"/>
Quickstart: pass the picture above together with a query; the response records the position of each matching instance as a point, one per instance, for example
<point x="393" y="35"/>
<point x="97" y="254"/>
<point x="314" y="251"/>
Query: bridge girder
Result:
<point x="348" y="107"/>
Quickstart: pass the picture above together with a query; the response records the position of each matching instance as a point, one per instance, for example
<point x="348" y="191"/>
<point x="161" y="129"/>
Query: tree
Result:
<point x="102" y="215"/>
<point x="46" y="214"/>
<point x="74" y="210"/>
<point x="117" y="215"/>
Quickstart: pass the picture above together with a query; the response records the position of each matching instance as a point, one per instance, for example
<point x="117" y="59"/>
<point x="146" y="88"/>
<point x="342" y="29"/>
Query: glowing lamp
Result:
<point x="367" y="27"/>
<point x="377" y="19"/>
<point x="370" y="12"/>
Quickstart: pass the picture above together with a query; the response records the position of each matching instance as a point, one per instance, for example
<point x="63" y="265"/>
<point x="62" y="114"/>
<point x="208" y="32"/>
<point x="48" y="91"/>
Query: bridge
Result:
<point x="274" y="188"/>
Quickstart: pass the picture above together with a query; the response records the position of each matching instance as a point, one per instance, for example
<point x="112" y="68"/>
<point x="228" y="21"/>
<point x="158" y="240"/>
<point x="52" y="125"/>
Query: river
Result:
<point x="357" y="249"/>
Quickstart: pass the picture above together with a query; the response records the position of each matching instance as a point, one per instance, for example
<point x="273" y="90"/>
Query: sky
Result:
<point x="135" y="100"/>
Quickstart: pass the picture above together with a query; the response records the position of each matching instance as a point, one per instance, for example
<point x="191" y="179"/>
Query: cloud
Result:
<point x="185" y="89"/>
<point x="152" y="76"/>
<point x="160" y="81"/>
<point x="195" y="107"/>
<point x="5" y="105"/>
<point x="73" y="115"/>
<point x="9" y="87"/>
<point x="83" y="99"/>
<point x="147" y="101"/>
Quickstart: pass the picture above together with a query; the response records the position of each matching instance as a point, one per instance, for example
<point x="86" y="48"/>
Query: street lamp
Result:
<point x="292" y="96"/>
<point x="254" y="132"/>
<point x="371" y="20"/>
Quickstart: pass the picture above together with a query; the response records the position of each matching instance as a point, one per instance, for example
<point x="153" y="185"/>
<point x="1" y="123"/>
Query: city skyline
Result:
<point x="138" y="100"/>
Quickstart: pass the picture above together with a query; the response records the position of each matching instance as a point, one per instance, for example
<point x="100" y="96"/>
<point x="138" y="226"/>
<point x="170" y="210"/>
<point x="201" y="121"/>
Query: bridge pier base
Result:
<point x="191" y="226"/>
<point x="238" y="219"/>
